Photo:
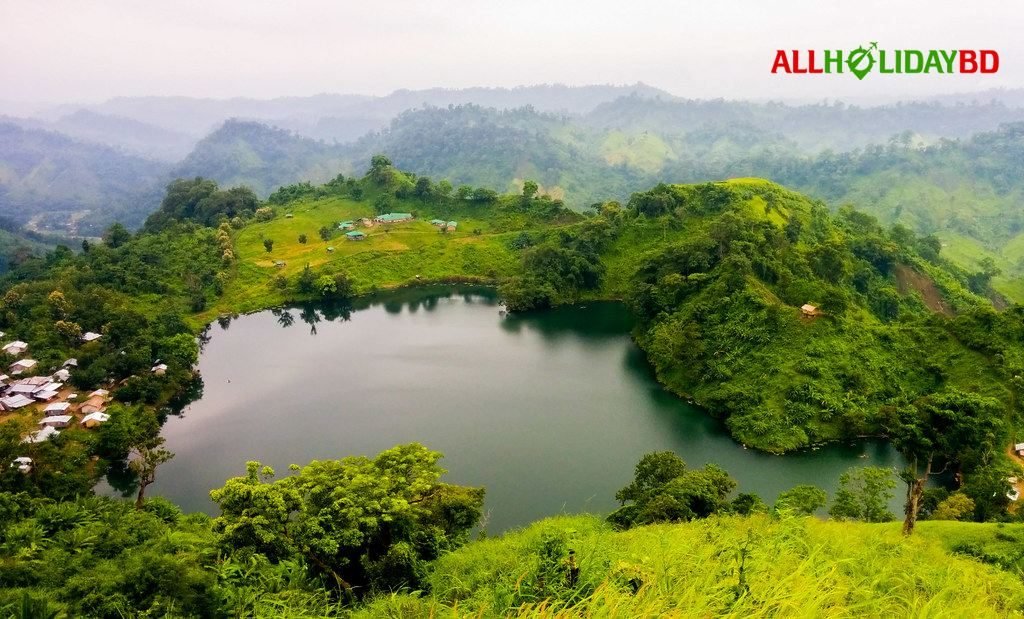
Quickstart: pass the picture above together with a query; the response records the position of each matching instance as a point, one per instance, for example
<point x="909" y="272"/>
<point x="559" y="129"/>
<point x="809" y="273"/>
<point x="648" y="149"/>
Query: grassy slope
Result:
<point x="793" y="567"/>
<point x="392" y="255"/>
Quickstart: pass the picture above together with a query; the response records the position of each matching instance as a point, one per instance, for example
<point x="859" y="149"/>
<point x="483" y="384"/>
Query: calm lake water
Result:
<point x="550" y="411"/>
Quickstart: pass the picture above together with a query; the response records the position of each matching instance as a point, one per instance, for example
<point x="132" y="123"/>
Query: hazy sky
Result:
<point x="67" y="50"/>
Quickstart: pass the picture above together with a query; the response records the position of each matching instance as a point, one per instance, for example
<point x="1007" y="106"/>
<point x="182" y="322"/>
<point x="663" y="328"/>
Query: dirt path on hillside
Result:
<point x="908" y="280"/>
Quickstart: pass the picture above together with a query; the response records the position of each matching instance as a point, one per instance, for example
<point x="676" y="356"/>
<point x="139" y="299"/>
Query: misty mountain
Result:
<point x="261" y="157"/>
<point x="51" y="181"/>
<point x="128" y="134"/>
<point x="818" y="127"/>
<point x="345" y="117"/>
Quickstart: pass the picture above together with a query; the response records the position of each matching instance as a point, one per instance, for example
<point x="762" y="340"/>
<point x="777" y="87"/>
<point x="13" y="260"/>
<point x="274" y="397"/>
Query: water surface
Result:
<point x="549" y="411"/>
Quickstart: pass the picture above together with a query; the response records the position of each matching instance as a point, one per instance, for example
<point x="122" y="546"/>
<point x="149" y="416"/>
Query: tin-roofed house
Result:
<point x="355" y="235"/>
<point x="56" y="421"/>
<point x="393" y="218"/>
<point x="94" y="419"/>
<point x="95" y="404"/>
<point x="42" y="435"/>
<point x="15" y="348"/>
<point x="22" y="365"/>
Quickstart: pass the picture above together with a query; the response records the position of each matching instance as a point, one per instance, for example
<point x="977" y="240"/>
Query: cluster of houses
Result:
<point x="387" y="218"/>
<point x="352" y="234"/>
<point x="50" y="396"/>
<point x="445" y="226"/>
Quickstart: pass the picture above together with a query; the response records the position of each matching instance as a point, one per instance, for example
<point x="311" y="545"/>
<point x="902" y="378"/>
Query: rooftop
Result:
<point x="394" y="216"/>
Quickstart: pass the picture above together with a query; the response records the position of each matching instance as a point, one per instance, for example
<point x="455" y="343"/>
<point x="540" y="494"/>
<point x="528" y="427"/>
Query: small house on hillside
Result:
<point x="355" y="235"/>
<point x="159" y="369"/>
<point x="95" y="404"/>
<point x="22" y="463"/>
<point x="91" y="336"/>
<point x="57" y="408"/>
<point x="56" y="421"/>
<point x="15" y="348"/>
<point x="809" y="310"/>
<point x="42" y="435"/>
<point x="22" y="366"/>
<point x="94" y="419"/>
<point x="367" y="222"/>
<point x="71" y="363"/>
<point x="347" y="225"/>
<point x="101" y="393"/>
<point x="393" y="218"/>
<point x="451" y="226"/>
<point x="440" y="223"/>
<point x="45" y="394"/>
<point x="14" y="402"/>
<point x="1019" y="449"/>
<point x="62" y="375"/>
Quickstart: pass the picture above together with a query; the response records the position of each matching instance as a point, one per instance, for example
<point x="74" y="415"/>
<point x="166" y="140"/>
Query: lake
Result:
<point x="549" y="411"/>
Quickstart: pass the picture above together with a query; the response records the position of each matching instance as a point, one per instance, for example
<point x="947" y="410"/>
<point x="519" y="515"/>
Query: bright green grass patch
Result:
<point x="793" y="567"/>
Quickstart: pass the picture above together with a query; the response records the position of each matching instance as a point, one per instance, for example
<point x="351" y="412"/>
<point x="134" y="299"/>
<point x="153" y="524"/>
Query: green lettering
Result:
<point x="949" y="57"/>
<point x="833" y="61"/>
<point x="882" y="66"/>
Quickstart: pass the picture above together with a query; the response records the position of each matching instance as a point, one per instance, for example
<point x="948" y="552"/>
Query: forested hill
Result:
<point x="78" y="187"/>
<point x="832" y="126"/>
<point x="242" y="153"/>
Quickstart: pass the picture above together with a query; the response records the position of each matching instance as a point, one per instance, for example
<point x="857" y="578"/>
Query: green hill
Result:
<point x="715" y="274"/>
<point x="721" y="567"/>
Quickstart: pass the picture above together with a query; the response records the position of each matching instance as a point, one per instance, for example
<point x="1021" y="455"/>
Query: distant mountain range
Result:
<point x="75" y="169"/>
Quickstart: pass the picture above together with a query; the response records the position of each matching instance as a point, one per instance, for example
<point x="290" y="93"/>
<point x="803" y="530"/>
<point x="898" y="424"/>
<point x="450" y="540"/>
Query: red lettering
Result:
<point x="989" y="61"/>
<point x="968" y="61"/>
<point x="796" y="62"/>
<point x="781" y="62"/>
<point x="810" y="61"/>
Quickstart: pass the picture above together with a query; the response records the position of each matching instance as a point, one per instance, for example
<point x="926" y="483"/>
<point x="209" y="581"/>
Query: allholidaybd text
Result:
<point x="864" y="60"/>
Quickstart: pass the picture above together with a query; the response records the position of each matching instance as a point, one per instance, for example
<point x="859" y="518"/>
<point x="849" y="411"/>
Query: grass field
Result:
<point x="722" y="567"/>
<point x="391" y="255"/>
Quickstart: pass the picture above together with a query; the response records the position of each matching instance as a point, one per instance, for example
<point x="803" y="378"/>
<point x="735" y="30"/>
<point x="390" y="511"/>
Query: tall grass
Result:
<point x="722" y="567"/>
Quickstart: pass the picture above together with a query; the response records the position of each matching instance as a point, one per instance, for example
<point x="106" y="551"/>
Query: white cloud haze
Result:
<point x="64" y="50"/>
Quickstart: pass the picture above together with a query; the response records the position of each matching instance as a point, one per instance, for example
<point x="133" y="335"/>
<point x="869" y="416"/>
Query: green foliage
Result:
<point x="201" y="201"/>
<point x="864" y="494"/>
<point x="664" y="490"/>
<point x="362" y="523"/>
<point x="802" y="500"/>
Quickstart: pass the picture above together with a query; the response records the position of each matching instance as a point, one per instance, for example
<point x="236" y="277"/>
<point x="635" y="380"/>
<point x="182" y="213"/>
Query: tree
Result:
<point x="958" y="506"/>
<point x="70" y="332"/>
<point x="302" y="238"/>
<point x="116" y="236"/>
<point x="365" y="524"/>
<point x="380" y="171"/>
<point x="530" y="189"/>
<point x="664" y="490"/>
<point x="382" y="204"/>
<point x="268" y="244"/>
<point x="424" y="189"/>
<point x="802" y="500"/>
<point x="326" y="286"/>
<point x="864" y="494"/>
<point x="144" y="461"/>
<point x="325" y="233"/>
<point x="954" y="426"/>
<point x="59" y="305"/>
<point x="307" y="280"/>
